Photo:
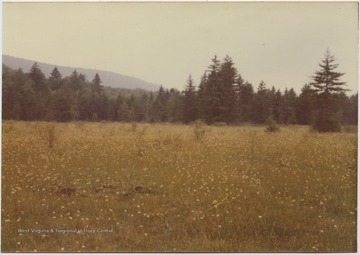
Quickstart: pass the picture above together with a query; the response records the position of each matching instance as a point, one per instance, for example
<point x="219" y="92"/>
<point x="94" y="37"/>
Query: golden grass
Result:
<point x="158" y="189"/>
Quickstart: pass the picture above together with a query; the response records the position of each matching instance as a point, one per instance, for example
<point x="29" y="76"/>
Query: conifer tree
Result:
<point x="96" y="82"/>
<point x="305" y="106"/>
<point x="245" y="98"/>
<point x="38" y="77"/>
<point x="261" y="105"/>
<point x="55" y="74"/>
<point x="226" y="90"/>
<point x="55" y="79"/>
<point x="190" y="108"/>
<point x="326" y="85"/>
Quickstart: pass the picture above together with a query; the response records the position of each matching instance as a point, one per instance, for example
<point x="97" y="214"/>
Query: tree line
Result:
<point x="222" y="95"/>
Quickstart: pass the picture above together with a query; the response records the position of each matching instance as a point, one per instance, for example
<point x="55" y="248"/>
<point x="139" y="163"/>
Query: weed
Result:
<point x="199" y="130"/>
<point x="47" y="133"/>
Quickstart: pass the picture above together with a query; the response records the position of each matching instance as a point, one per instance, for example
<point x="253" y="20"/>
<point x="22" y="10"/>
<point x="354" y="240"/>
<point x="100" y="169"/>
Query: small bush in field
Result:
<point x="272" y="125"/>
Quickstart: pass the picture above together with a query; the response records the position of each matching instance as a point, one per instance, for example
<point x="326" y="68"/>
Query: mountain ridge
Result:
<point x="109" y="78"/>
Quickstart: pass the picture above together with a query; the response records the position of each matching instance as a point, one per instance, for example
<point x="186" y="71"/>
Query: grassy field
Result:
<point x="165" y="187"/>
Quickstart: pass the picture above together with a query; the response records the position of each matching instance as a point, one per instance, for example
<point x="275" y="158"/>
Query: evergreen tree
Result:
<point x="55" y="79"/>
<point x="211" y="100"/>
<point x="159" y="106"/>
<point x="175" y="106"/>
<point x="190" y="107"/>
<point x="64" y="106"/>
<point x="38" y="78"/>
<point x="77" y="81"/>
<point x="226" y="90"/>
<point x="278" y="107"/>
<point x="202" y="97"/>
<point x="245" y="98"/>
<point x="12" y="93"/>
<point x="55" y="74"/>
<point x="350" y="110"/>
<point x="326" y="85"/>
<point x="289" y="106"/>
<point x="305" y="106"/>
<point x="96" y="83"/>
<point x="261" y="105"/>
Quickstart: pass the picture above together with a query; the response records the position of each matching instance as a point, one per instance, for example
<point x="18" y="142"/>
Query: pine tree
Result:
<point x="202" y="97"/>
<point x="212" y="102"/>
<point x="55" y="74"/>
<point x="326" y="85"/>
<point x="289" y="106"/>
<point x="38" y="77"/>
<point x="261" y="105"/>
<point x="55" y="79"/>
<point x="159" y="105"/>
<point x="278" y="107"/>
<point x="96" y="82"/>
<point x="190" y="108"/>
<point x="226" y="90"/>
<point x="245" y="98"/>
<point x="305" y="105"/>
<point x="326" y="80"/>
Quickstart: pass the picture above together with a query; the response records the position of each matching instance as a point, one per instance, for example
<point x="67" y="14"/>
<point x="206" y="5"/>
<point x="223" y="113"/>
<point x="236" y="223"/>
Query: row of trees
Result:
<point x="221" y="96"/>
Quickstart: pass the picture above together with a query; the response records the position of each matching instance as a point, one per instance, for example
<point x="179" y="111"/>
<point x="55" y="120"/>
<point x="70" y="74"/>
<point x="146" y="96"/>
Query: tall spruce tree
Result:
<point x="261" y="105"/>
<point x="245" y="98"/>
<point x="305" y="106"/>
<point x="227" y="95"/>
<point x="96" y="82"/>
<point x="38" y="77"/>
<point x="327" y="85"/>
<point x="55" y="79"/>
<point x="190" y="108"/>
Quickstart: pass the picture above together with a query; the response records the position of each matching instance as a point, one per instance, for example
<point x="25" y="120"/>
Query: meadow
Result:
<point x="168" y="187"/>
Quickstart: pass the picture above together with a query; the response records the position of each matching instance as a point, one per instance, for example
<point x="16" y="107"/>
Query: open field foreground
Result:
<point x="157" y="187"/>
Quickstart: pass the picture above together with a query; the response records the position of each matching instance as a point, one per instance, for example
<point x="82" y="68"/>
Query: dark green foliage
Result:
<point x="327" y="121"/>
<point x="55" y="74"/>
<point x="289" y="106"/>
<point x="261" y="105"/>
<point x="305" y="106"/>
<point x="190" y="107"/>
<point x="326" y="80"/>
<point x="55" y="79"/>
<point x="38" y="78"/>
<point x="245" y="94"/>
<point x="222" y="97"/>
<point x="329" y="94"/>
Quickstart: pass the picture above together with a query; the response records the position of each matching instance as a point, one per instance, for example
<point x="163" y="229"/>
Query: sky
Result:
<point x="280" y="43"/>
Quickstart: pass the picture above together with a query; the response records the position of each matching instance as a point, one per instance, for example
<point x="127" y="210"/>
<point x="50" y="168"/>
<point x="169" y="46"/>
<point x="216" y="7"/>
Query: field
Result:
<point x="167" y="187"/>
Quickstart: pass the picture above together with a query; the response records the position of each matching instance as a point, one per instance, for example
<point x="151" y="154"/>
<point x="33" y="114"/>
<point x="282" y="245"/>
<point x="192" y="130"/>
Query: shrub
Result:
<point x="272" y="125"/>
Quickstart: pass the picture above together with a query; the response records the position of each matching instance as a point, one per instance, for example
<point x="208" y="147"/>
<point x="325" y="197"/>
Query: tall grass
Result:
<point x="239" y="189"/>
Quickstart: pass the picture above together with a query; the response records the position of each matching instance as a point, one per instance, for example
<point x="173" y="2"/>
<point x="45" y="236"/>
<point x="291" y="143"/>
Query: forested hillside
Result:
<point x="114" y="80"/>
<point x="222" y="95"/>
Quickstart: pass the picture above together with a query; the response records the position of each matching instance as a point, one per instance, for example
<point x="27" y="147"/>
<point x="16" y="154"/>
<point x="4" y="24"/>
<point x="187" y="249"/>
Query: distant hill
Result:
<point x="110" y="79"/>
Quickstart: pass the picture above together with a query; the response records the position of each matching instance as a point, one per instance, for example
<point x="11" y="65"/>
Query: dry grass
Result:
<point x="158" y="189"/>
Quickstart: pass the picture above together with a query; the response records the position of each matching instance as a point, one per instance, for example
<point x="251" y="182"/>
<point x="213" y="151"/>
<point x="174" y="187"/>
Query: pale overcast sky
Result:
<point x="280" y="43"/>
